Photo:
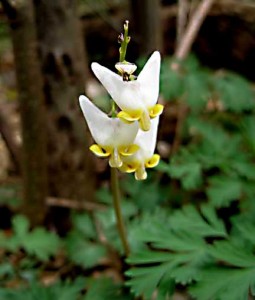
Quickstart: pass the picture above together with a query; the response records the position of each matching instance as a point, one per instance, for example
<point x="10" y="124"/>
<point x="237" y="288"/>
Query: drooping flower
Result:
<point x="125" y="69"/>
<point x="114" y="138"/>
<point x="144" y="157"/>
<point x="136" y="98"/>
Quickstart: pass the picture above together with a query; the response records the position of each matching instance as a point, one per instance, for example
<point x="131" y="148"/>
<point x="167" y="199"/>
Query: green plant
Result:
<point x="207" y="245"/>
<point x="37" y="242"/>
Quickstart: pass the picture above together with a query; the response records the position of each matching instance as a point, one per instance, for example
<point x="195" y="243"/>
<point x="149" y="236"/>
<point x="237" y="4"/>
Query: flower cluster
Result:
<point x="128" y="140"/>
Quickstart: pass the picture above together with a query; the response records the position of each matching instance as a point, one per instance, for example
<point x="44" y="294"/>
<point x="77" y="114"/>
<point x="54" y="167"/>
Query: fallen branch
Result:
<point x="74" y="204"/>
<point x="182" y="16"/>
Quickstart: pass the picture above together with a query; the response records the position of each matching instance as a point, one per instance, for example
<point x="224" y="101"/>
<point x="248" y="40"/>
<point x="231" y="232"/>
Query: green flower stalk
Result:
<point x="114" y="173"/>
<point x="128" y="137"/>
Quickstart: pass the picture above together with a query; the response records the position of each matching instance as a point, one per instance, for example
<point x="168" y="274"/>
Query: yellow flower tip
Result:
<point x="140" y="173"/>
<point x="128" y="167"/>
<point x="145" y="122"/>
<point x="156" y="110"/>
<point x="129" y="117"/>
<point x="100" y="151"/>
<point x="128" y="150"/>
<point x="153" y="161"/>
<point x="115" y="160"/>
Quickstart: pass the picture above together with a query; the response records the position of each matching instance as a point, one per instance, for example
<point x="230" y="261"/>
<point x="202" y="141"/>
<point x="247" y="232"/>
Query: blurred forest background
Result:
<point x="191" y="224"/>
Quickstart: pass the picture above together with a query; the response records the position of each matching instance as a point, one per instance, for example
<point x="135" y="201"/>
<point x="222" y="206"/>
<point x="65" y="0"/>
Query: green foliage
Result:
<point x="219" y="152"/>
<point x="224" y="284"/>
<point x="248" y="131"/>
<point x="223" y="189"/>
<point x="207" y="224"/>
<point x="83" y="252"/>
<point x="179" y="249"/>
<point x="171" y="82"/>
<point x="60" y="290"/>
<point x="9" y="195"/>
<point x="196" y="86"/>
<point x="179" y="252"/>
<point x="235" y="92"/>
<point x="105" y="289"/>
<point x="191" y="225"/>
<point x="146" y="194"/>
<point x="6" y="270"/>
<point x="208" y="246"/>
<point x="38" y="242"/>
<point x="190" y="173"/>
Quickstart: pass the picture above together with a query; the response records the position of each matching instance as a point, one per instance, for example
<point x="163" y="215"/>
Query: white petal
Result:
<point x="147" y="140"/>
<point x="98" y="122"/>
<point x="149" y="80"/>
<point x="127" y="94"/>
<point x="132" y="95"/>
<point x="123" y="134"/>
<point x="107" y="131"/>
<point x="110" y="80"/>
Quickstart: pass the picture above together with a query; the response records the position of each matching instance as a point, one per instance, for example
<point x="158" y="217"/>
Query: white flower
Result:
<point x="114" y="138"/>
<point x="137" y="99"/>
<point x="144" y="157"/>
<point x="125" y="67"/>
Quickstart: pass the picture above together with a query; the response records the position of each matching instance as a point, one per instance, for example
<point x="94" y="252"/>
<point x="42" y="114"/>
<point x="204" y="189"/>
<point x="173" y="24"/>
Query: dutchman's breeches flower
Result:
<point x="136" y="98"/>
<point x="129" y="148"/>
<point x="114" y="138"/>
<point x="144" y="157"/>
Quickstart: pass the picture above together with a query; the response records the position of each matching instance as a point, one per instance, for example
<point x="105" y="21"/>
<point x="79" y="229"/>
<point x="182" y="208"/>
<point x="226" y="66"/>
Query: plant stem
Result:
<point x="114" y="172"/>
<point x="117" y="209"/>
<point x="124" y="43"/>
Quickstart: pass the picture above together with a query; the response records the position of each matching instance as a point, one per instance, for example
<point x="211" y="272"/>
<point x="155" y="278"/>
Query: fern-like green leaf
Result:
<point x="145" y="280"/>
<point x="222" y="190"/>
<point x="105" y="289"/>
<point x="245" y="228"/>
<point x="224" y="284"/>
<point x="171" y="82"/>
<point x="84" y="252"/>
<point x="41" y="243"/>
<point x="196" y="90"/>
<point x="38" y="242"/>
<point x="60" y="290"/>
<point x="83" y="223"/>
<point x="248" y="130"/>
<point x="232" y="254"/>
<point x="207" y="224"/>
<point x="179" y="249"/>
<point x="20" y="225"/>
<point x="190" y="173"/>
<point x="235" y="92"/>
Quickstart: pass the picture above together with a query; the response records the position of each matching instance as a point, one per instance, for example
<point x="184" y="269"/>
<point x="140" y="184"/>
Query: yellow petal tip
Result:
<point x="153" y="161"/>
<point x="128" y="117"/>
<point x="128" y="168"/>
<point x="100" y="151"/>
<point x="156" y="110"/>
<point x="128" y="150"/>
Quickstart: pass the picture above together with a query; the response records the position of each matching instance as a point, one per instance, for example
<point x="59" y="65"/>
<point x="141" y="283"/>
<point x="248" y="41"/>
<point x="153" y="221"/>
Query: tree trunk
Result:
<point x="9" y="139"/>
<point x="65" y="69"/>
<point x="29" y="81"/>
<point x="146" y="17"/>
